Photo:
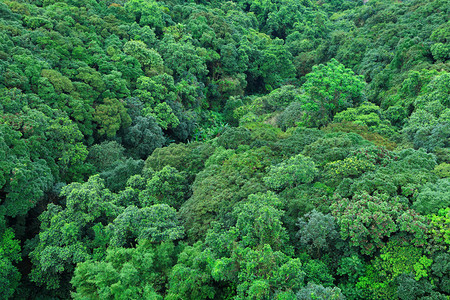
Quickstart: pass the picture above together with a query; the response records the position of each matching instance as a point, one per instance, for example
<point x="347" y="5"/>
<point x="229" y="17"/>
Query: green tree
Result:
<point x="9" y="255"/>
<point x="259" y="272"/>
<point x="330" y="89"/>
<point x="22" y="181"/>
<point x="433" y="197"/>
<point x="258" y="222"/>
<point x="189" y="158"/>
<point x="156" y="223"/>
<point x="182" y="56"/>
<point x="118" y="173"/>
<point x="105" y="154"/>
<point x="167" y="186"/>
<point x="191" y="277"/>
<point x="134" y="273"/>
<point x="143" y="136"/>
<point x="366" y="221"/>
<point x="316" y="291"/>
<point x="229" y="177"/>
<point x="148" y="13"/>
<point x="150" y="60"/>
<point x="72" y="234"/>
<point x="111" y="116"/>
<point x="317" y="232"/>
<point x="294" y="171"/>
<point x="395" y="259"/>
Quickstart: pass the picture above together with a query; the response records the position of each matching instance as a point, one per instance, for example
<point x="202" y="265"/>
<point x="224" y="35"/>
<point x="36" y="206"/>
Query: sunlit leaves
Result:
<point x="294" y="171"/>
<point x="111" y="116"/>
<point x="328" y="90"/>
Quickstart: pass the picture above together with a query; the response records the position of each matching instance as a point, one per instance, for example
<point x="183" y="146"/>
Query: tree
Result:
<point x="334" y="146"/>
<point x="23" y="181"/>
<point x="111" y="116"/>
<point x="148" y="13"/>
<point x="440" y="231"/>
<point x="263" y="56"/>
<point x="183" y="57"/>
<point x="258" y="222"/>
<point x="9" y="255"/>
<point x="105" y="154"/>
<point x="317" y="232"/>
<point x="167" y="186"/>
<point x="191" y="277"/>
<point x="229" y="177"/>
<point x="157" y="223"/>
<point x="366" y="221"/>
<point x="118" y="173"/>
<point x="403" y="176"/>
<point x="150" y="60"/>
<point x="233" y="137"/>
<point x="317" y="291"/>
<point x="72" y="234"/>
<point x="143" y="136"/>
<point x="256" y="273"/>
<point x="294" y="171"/>
<point x="330" y="89"/>
<point x="139" y="272"/>
<point x="189" y="158"/>
<point x="357" y="163"/>
<point x="397" y="259"/>
<point x="291" y="116"/>
<point x="433" y="197"/>
<point x="367" y="114"/>
<point x="300" y="138"/>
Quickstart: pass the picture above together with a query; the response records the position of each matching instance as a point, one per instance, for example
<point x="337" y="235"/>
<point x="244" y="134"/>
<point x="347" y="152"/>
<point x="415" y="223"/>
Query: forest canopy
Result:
<point x="190" y="149"/>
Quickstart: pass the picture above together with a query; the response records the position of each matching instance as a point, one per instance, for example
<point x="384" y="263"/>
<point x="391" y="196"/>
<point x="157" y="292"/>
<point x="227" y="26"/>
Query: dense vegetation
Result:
<point x="270" y="149"/>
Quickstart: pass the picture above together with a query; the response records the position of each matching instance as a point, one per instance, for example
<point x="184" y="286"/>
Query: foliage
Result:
<point x="403" y="176"/>
<point x="333" y="147"/>
<point x="296" y="170"/>
<point x="191" y="277"/>
<point x="267" y="128"/>
<point x="134" y="272"/>
<point x="363" y="131"/>
<point x="157" y="223"/>
<point x="433" y="197"/>
<point x="167" y="186"/>
<point x="9" y="254"/>
<point x="440" y="228"/>
<point x="190" y="158"/>
<point x="232" y="177"/>
<point x="328" y="90"/>
<point x="71" y="234"/>
<point x="117" y="174"/>
<point x="104" y="155"/>
<point x="143" y="136"/>
<point x="111" y="116"/>
<point x="367" y="220"/>
<point x="316" y="291"/>
<point x="397" y="258"/>
<point x="317" y="232"/>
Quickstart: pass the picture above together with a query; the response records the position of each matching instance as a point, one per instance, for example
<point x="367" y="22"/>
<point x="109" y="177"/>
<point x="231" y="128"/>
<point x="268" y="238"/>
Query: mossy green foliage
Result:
<point x="272" y="149"/>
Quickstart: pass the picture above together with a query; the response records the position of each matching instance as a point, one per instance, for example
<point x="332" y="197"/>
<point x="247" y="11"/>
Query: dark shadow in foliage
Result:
<point x="117" y="175"/>
<point x="105" y="154"/>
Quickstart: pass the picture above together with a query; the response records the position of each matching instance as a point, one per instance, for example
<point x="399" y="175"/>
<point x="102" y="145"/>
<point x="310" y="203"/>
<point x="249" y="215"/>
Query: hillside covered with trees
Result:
<point x="266" y="149"/>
